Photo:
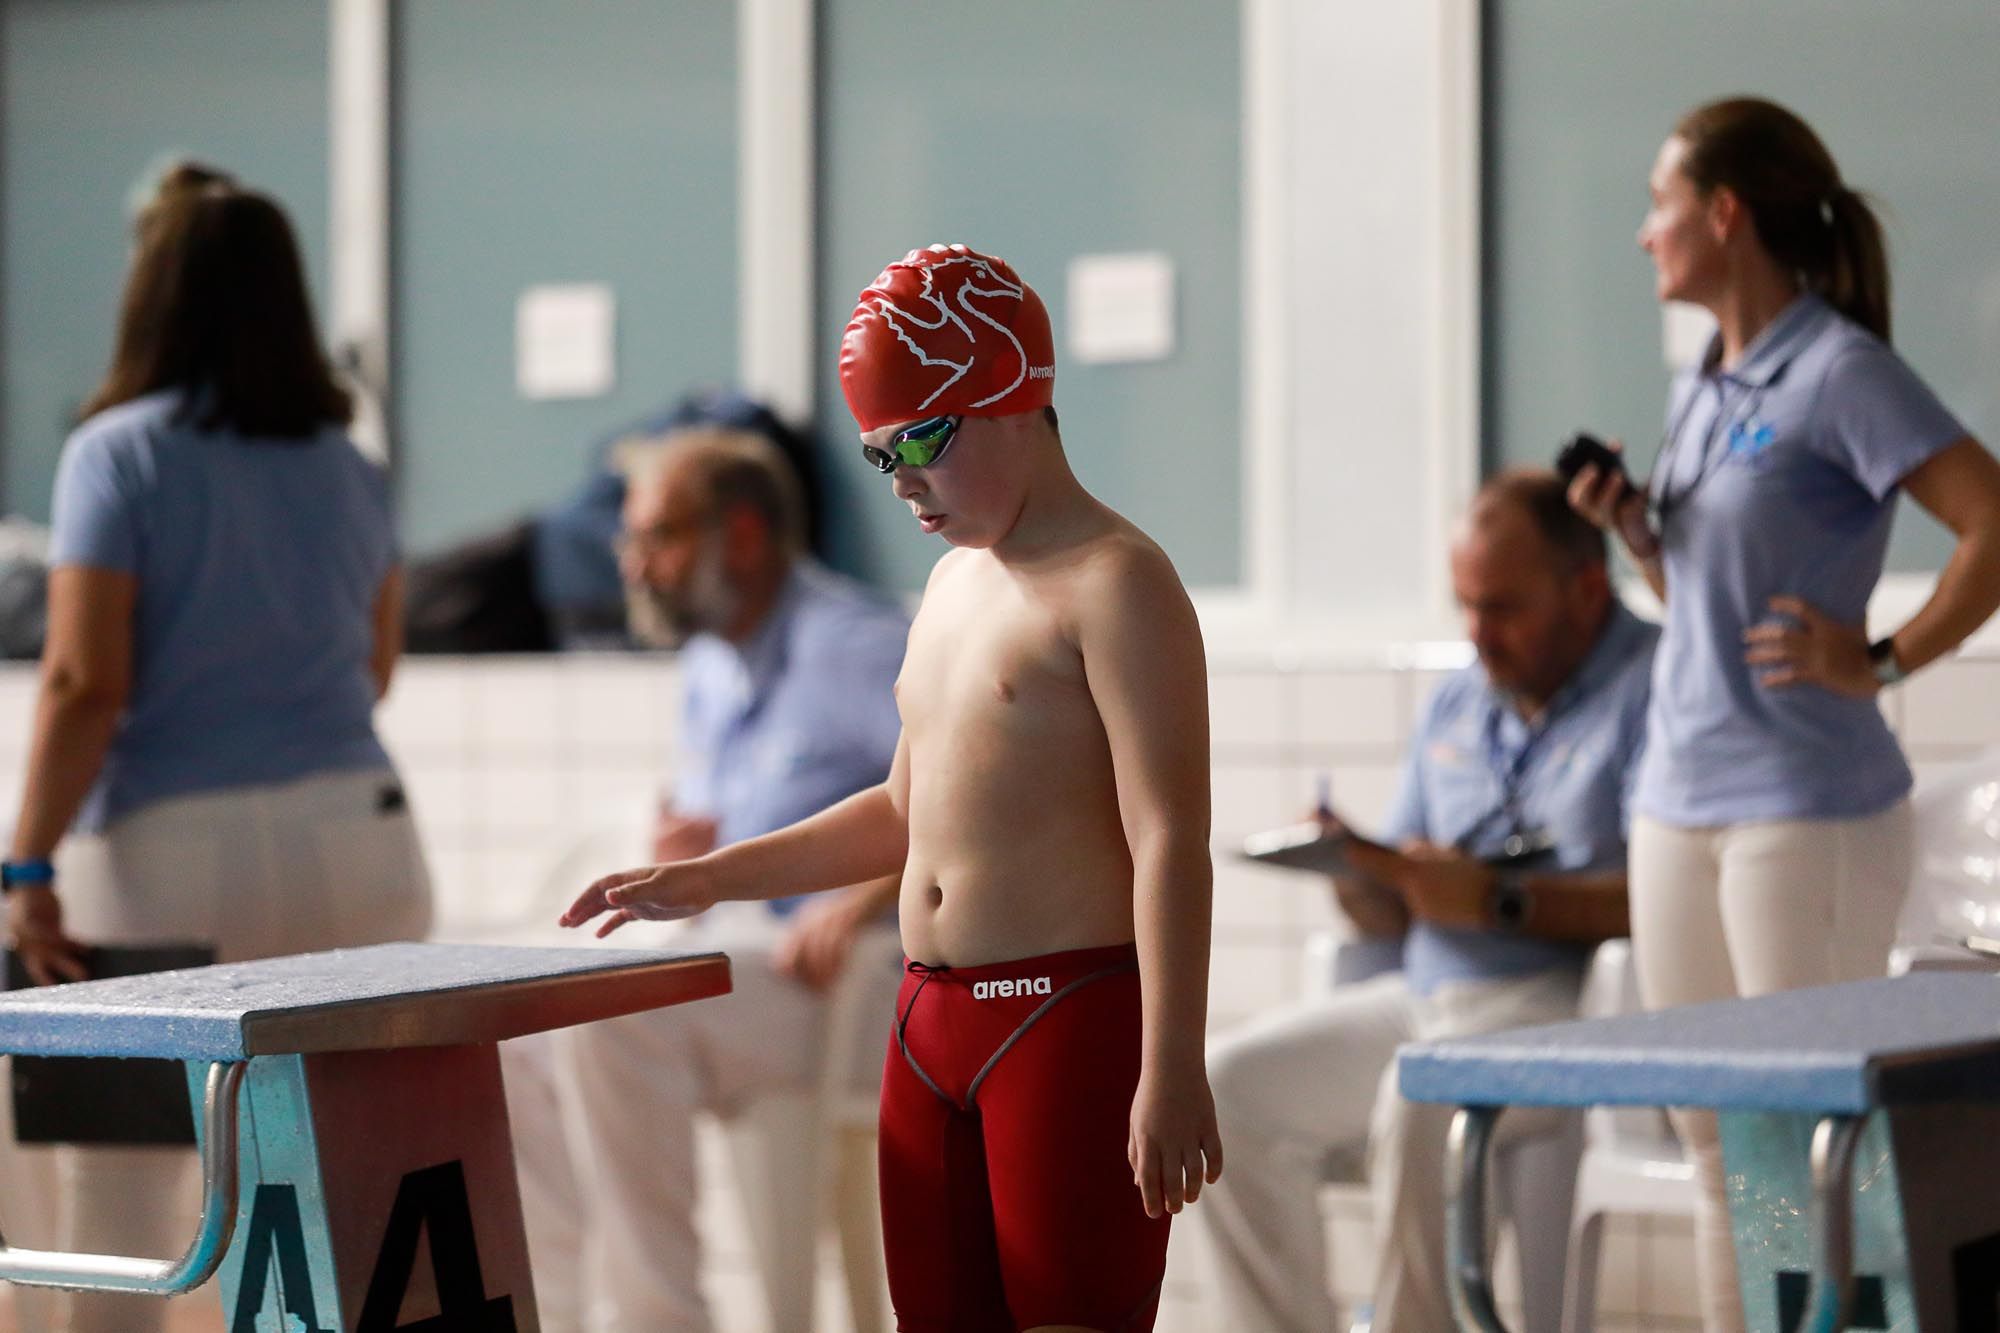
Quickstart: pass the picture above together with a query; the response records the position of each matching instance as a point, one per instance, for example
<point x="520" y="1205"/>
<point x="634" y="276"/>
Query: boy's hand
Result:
<point x="650" y="893"/>
<point x="1174" y="1145"/>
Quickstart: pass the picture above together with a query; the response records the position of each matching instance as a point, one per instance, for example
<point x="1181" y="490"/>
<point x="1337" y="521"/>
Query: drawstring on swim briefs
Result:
<point x="926" y="971"/>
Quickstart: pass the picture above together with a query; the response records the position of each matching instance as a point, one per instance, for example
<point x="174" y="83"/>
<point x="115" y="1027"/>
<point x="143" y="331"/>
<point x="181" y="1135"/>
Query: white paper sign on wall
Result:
<point x="1121" y="307"/>
<point x="565" y="340"/>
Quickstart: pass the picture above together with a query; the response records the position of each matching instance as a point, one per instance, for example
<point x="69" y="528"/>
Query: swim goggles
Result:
<point x="918" y="445"/>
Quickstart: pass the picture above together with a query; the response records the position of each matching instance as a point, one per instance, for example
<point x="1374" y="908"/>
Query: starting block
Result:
<point x="1860" y="1139"/>
<point x="350" y="1116"/>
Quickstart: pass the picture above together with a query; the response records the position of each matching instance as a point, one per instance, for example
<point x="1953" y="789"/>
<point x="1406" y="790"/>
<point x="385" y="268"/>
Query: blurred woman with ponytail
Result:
<point x="1771" y="837"/>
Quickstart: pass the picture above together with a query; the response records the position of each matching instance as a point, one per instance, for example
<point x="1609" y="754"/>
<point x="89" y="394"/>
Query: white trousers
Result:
<point x="1747" y="909"/>
<point x="254" y="872"/>
<point x="1296" y="1087"/>
<point x="603" y="1119"/>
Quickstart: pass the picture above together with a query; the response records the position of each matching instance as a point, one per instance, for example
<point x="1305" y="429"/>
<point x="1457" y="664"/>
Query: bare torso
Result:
<point x="1015" y="843"/>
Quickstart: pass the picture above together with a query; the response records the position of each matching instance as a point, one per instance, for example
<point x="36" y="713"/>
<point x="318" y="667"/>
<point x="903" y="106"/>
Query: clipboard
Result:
<point x="1308" y="845"/>
<point x="71" y="1099"/>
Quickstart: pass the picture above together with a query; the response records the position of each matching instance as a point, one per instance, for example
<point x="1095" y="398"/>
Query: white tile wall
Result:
<point x="1251" y="712"/>
<point x="1953" y="705"/>
<point x="511" y="762"/>
<point x="1352" y="711"/>
<point x="1250" y="794"/>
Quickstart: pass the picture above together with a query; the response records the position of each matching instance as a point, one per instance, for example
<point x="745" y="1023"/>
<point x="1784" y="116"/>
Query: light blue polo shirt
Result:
<point x="800" y="716"/>
<point x="1478" y="772"/>
<point x="258" y="564"/>
<point x="1779" y="479"/>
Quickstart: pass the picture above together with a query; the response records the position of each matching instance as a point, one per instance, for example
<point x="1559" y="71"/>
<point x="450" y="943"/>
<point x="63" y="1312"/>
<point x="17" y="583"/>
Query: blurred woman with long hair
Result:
<point x="224" y="609"/>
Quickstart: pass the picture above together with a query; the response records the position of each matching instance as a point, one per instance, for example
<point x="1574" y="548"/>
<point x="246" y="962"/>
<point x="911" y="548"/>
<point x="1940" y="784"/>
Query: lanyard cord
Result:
<point x="1507" y="776"/>
<point x="1665" y="501"/>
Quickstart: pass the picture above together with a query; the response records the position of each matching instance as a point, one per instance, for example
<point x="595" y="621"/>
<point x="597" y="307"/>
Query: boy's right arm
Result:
<point x="863" y="837"/>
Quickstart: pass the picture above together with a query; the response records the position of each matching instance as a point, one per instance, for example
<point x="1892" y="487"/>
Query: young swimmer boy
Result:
<point x="1044" y="1101"/>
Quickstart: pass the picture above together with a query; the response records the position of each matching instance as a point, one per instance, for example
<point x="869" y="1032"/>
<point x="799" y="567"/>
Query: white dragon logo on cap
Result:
<point x="894" y="316"/>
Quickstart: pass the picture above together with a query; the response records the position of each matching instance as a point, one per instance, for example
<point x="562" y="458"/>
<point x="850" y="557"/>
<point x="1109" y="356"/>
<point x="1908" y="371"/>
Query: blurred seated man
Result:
<point x="551" y="580"/>
<point x="788" y="675"/>
<point x="1511" y="827"/>
<point x="576" y="582"/>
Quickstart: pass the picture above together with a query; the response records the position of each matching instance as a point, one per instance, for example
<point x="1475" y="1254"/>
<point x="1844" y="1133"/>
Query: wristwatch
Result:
<point x="1882" y="661"/>
<point x="1510" y="904"/>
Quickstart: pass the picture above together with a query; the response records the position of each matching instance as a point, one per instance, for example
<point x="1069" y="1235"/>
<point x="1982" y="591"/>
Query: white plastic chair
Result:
<point x="1955" y="875"/>
<point x="800" y="1156"/>
<point x="1533" y="1176"/>
<point x="1631" y="1163"/>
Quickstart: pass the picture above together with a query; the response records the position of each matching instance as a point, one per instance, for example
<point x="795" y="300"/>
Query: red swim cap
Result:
<point x="946" y="332"/>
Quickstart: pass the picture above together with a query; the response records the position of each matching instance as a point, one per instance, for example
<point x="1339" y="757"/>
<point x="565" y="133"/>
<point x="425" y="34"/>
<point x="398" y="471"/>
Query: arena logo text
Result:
<point x="1004" y="990"/>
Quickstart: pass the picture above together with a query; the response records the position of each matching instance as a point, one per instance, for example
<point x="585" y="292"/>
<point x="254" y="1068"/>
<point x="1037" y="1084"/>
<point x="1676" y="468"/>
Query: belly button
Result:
<point x="1004" y="691"/>
<point x="935" y="893"/>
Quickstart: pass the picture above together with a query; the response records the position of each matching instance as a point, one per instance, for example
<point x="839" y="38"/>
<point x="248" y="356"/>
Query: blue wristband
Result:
<point x="14" y="874"/>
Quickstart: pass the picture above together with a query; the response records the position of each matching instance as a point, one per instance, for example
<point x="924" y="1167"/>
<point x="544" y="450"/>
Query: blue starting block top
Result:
<point x="378" y="998"/>
<point x="1929" y="1036"/>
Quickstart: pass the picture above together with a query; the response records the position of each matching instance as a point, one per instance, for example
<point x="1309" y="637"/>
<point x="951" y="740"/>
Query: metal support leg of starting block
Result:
<point x="1466" y="1254"/>
<point x="216" y="1103"/>
<point x="1833" y="1144"/>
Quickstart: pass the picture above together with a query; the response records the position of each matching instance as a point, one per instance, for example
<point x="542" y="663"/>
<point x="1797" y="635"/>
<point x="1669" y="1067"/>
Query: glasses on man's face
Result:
<point x="918" y="445"/>
<point x="655" y="537"/>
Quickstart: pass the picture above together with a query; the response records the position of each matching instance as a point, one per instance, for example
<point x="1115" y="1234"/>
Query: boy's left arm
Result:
<point x="1147" y="672"/>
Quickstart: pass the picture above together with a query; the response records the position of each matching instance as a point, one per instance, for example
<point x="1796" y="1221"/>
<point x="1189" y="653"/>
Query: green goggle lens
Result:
<point x="919" y="446"/>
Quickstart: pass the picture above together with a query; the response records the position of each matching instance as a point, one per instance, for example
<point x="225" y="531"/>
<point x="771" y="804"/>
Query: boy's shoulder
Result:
<point x="1115" y="562"/>
<point x="1126" y="589"/>
<point x="1123" y="559"/>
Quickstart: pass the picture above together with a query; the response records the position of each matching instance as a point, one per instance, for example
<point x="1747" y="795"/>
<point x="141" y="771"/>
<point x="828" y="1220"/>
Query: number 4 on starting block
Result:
<point x="368" y="1159"/>
<point x="431" y="1204"/>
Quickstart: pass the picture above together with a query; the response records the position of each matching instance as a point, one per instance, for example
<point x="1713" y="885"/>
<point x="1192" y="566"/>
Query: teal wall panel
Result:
<point x="92" y="92"/>
<point x="539" y="143"/>
<point x="1579" y="95"/>
<point x="1039" y="130"/>
<point x="598" y="143"/>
